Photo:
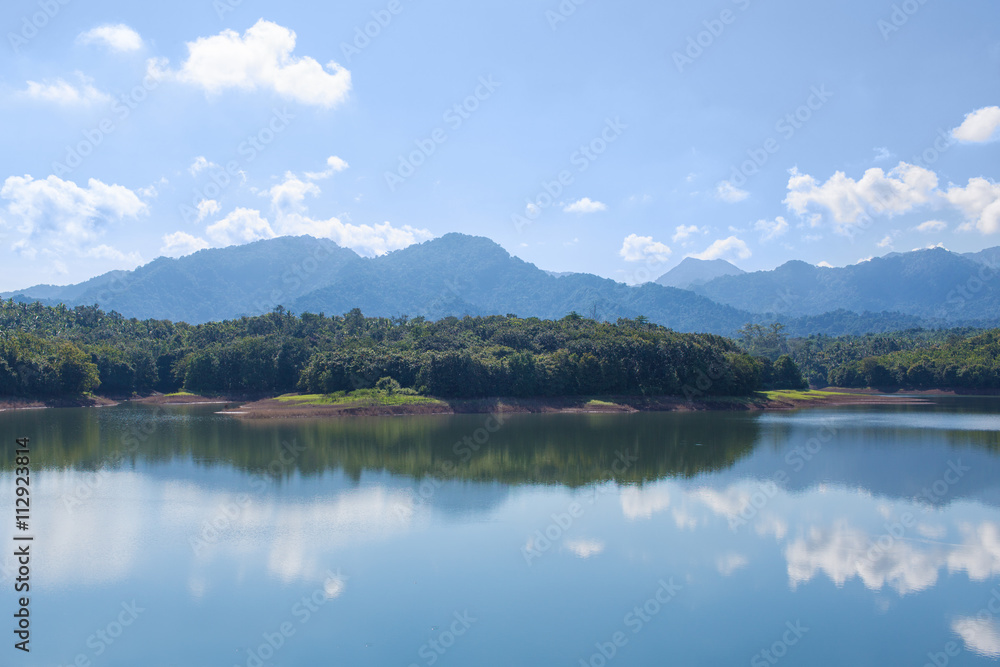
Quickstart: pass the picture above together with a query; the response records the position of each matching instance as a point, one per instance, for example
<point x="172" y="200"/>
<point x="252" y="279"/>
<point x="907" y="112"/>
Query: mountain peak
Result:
<point x="692" y="271"/>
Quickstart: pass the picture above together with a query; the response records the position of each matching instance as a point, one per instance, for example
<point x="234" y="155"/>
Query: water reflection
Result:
<point x="893" y="510"/>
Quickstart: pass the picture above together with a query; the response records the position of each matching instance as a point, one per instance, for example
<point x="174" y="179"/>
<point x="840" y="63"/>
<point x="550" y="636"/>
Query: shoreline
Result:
<point x="287" y="407"/>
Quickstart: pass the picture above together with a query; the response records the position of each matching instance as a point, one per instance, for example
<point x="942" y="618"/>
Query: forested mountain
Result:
<point x="455" y="275"/>
<point x="458" y="275"/>
<point x="932" y="283"/>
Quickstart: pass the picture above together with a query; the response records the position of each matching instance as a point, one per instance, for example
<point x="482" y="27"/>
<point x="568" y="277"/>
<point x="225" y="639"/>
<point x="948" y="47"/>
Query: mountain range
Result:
<point x="465" y="275"/>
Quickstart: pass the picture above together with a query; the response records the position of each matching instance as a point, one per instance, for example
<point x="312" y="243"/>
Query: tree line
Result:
<point x="47" y="351"/>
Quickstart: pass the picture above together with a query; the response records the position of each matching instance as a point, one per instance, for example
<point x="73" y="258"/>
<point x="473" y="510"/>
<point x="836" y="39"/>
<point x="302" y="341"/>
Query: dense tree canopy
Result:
<point x="58" y="350"/>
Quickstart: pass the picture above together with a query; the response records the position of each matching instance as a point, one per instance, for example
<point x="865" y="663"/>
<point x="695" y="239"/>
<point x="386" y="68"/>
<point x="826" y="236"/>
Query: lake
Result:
<point x="842" y="536"/>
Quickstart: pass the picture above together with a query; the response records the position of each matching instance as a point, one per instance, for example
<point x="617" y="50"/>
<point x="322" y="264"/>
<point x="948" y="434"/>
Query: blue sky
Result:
<point x="583" y="135"/>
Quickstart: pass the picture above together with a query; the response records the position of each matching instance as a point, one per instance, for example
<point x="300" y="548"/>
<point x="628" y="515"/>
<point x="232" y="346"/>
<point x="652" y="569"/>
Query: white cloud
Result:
<point x="771" y="229"/>
<point x="980" y="202"/>
<point x="932" y="226"/>
<point x="850" y="202"/>
<point x="730" y="563"/>
<point x="826" y="265"/>
<point x="130" y="260"/>
<point x="334" y="165"/>
<point x="241" y="226"/>
<point x="585" y="548"/>
<point x="200" y="164"/>
<point x="65" y="94"/>
<point x="262" y="59"/>
<point x="288" y="195"/>
<point x="118" y="37"/>
<point x="643" y="502"/>
<point x="585" y="205"/>
<point x="641" y="248"/>
<point x="207" y="207"/>
<point x="979" y="126"/>
<point x="981" y="636"/>
<point x="730" y="194"/>
<point x="882" y="153"/>
<point x="367" y="240"/>
<point x="886" y="242"/>
<point x="682" y="232"/>
<point x="179" y="244"/>
<point x="66" y="214"/>
<point x="724" y="247"/>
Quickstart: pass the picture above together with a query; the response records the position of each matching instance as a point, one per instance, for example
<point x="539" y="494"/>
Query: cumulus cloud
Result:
<point x="63" y="93"/>
<point x="641" y="248"/>
<point x="980" y="202"/>
<point x="585" y="548"/>
<point x="207" y="207"/>
<point x="826" y="265"/>
<point x="367" y="240"/>
<point x="683" y="233"/>
<point x="932" y="226"/>
<point x="979" y="126"/>
<point x="725" y="247"/>
<point x="729" y="193"/>
<point x="65" y="213"/>
<point x="981" y="636"/>
<point x="261" y="59"/>
<point x="729" y="563"/>
<point x="334" y="165"/>
<point x="179" y="244"/>
<point x="241" y="226"/>
<point x="882" y="154"/>
<point x="852" y="202"/>
<point x="288" y="195"/>
<point x="585" y="205"/>
<point x="200" y="164"/>
<point x="643" y="502"/>
<point x="117" y="37"/>
<point x="771" y="229"/>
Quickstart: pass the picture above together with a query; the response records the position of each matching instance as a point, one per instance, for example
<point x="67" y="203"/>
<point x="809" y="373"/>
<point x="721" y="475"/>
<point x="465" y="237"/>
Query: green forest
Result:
<point x="59" y="351"/>
<point x="49" y="351"/>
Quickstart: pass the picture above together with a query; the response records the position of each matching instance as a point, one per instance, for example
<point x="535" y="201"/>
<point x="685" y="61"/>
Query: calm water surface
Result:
<point x="181" y="537"/>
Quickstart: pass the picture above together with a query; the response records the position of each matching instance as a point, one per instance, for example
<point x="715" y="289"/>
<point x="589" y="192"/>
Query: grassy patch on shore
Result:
<point x="360" y="397"/>
<point x="180" y="394"/>
<point x="797" y="395"/>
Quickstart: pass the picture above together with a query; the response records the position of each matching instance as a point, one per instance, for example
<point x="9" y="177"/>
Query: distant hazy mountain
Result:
<point x="463" y="275"/>
<point x="693" y="271"/>
<point x="931" y="283"/>
<point x="453" y="275"/>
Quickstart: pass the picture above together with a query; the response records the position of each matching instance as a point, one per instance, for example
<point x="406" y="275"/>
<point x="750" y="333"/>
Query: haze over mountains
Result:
<point x="465" y="275"/>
